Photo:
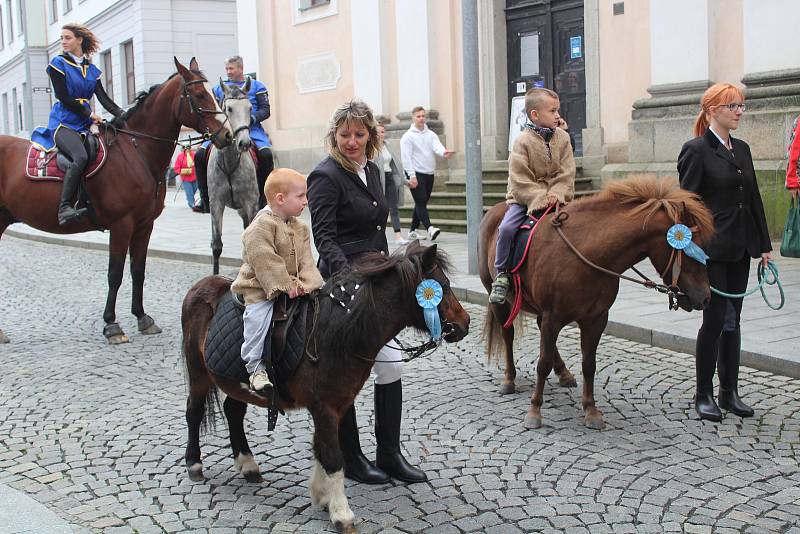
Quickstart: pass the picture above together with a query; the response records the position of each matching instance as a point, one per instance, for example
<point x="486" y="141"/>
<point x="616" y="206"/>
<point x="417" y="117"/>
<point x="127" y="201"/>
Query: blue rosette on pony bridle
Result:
<point x="679" y="237"/>
<point x="429" y="295"/>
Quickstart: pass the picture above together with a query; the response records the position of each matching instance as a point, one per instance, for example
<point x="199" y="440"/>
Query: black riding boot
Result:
<point x="388" y="412"/>
<point x="356" y="465"/>
<point x="66" y="210"/>
<point x="728" y="353"/>
<point x="266" y="164"/>
<point x="704" y="403"/>
<point x="201" y="171"/>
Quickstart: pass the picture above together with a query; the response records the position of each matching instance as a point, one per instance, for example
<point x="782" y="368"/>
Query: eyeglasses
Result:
<point x="733" y="106"/>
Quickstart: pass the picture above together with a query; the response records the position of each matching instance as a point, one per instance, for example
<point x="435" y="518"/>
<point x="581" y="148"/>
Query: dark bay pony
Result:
<point x="346" y="345"/>
<point x="128" y="192"/>
<point x="624" y="224"/>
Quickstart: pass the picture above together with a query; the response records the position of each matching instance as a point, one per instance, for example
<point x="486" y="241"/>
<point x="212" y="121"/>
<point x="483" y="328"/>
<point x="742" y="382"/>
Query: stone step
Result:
<point x="582" y="183"/>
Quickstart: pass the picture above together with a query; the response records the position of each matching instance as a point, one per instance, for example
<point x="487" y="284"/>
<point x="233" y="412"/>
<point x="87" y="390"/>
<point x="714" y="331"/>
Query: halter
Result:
<point x="197" y="110"/>
<point x="222" y="104"/>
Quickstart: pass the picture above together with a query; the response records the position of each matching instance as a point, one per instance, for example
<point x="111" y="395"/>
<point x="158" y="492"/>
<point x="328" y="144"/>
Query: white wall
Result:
<point x="771" y="29"/>
<point x="679" y="41"/>
<point x="366" y="39"/>
<point x="413" y="67"/>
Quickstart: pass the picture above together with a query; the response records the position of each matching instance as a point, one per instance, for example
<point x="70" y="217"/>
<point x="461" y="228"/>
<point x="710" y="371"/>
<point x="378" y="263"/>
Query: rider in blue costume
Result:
<point x="234" y="68"/>
<point x="75" y="81"/>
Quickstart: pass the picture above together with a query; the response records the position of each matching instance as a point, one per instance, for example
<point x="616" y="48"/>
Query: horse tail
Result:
<point x="493" y="335"/>
<point x="199" y="306"/>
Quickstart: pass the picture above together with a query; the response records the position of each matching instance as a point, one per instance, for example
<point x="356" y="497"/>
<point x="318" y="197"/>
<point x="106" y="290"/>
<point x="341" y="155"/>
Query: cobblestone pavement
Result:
<point x="97" y="433"/>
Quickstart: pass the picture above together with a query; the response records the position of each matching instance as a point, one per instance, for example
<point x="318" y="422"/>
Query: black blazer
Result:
<point x="348" y="219"/>
<point x="727" y="183"/>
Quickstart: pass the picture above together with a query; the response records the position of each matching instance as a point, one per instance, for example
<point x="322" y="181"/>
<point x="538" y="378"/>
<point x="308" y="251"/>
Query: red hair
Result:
<point x="718" y="94"/>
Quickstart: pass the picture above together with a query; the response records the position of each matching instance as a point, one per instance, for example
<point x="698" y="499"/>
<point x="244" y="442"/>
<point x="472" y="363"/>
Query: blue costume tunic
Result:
<point x="258" y="136"/>
<point x="81" y="83"/>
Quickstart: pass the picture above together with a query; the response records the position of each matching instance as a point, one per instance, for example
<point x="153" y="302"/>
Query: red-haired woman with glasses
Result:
<point x="720" y="169"/>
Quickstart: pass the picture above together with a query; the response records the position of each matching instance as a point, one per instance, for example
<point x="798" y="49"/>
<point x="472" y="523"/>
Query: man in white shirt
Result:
<point x="419" y="147"/>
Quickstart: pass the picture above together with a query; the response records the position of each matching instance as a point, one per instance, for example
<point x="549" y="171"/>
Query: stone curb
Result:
<point x="647" y="336"/>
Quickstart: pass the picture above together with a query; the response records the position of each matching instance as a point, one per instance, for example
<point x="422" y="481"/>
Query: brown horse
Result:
<point x="615" y="229"/>
<point x="128" y="192"/>
<point x="345" y="343"/>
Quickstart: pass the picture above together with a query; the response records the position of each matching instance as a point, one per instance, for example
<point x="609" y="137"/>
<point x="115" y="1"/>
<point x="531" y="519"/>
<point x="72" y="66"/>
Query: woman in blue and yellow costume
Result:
<point x="75" y="81"/>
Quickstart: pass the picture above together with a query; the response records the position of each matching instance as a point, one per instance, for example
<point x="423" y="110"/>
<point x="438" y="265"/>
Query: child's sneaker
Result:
<point x="500" y="289"/>
<point x="259" y="381"/>
<point x="412" y="235"/>
<point x="433" y="233"/>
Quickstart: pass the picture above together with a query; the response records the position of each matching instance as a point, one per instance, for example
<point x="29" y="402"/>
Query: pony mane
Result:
<point x="648" y="195"/>
<point x="142" y="96"/>
<point x="347" y="332"/>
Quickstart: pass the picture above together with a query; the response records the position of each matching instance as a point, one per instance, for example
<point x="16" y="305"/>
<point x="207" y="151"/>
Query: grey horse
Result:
<point x="231" y="170"/>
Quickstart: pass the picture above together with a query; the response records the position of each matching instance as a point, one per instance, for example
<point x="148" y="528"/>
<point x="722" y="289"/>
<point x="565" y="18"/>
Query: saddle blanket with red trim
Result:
<point x="522" y="240"/>
<point x="43" y="166"/>
<point x="253" y="154"/>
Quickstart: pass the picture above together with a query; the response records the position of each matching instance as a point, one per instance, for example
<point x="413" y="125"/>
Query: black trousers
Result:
<point x="391" y="200"/>
<point x="730" y="277"/>
<point x="70" y="143"/>
<point x="265" y="166"/>
<point x="421" y="195"/>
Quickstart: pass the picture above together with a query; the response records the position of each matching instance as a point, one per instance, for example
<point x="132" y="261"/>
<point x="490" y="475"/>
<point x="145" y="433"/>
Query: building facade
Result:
<point x="138" y="40"/>
<point x="630" y="73"/>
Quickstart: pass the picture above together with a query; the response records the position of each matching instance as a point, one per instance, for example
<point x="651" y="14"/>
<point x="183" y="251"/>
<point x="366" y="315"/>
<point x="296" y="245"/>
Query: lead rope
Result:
<point x="767" y="276"/>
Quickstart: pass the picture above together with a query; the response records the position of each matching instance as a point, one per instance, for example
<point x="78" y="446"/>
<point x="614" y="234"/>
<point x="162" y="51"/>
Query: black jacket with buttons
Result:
<point x="727" y="183"/>
<point x="348" y="219"/>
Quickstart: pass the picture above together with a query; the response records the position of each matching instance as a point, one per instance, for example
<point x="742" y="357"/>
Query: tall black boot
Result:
<point x="704" y="403"/>
<point x="266" y="165"/>
<point x="66" y="210"/>
<point x="388" y="412"/>
<point x="728" y="353"/>
<point x="356" y="465"/>
<point x="201" y="171"/>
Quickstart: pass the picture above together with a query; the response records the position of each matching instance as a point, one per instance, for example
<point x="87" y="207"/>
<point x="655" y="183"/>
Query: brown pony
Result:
<point x="128" y="192"/>
<point x="345" y="343"/>
<point x="624" y="224"/>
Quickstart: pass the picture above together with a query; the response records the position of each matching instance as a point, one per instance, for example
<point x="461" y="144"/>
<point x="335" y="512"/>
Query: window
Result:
<point x="21" y="16"/>
<point x="108" y="74"/>
<point x="309" y="4"/>
<point x="5" y="113"/>
<point x="2" y="39"/>
<point x="21" y="107"/>
<point x="10" y="13"/>
<point x="14" y="105"/>
<point x="130" y="74"/>
<point x="53" y="10"/>
<point x="67" y="6"/>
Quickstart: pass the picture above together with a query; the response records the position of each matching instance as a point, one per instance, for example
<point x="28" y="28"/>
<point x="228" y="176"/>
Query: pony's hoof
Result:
<point x="595" y="422"/>
<point x="114" y="334"/>
<point x="507" y="388"/>
<point x="4" y="338"/>
<point x="567" y="380"/>
<point x="148" y="326"/>
<point x="345" y="528"/>
<point x="253" y="477"/>
<point x="195" y="472"/>
<point x="118" y="340"/>
<point x="533" y="420"/>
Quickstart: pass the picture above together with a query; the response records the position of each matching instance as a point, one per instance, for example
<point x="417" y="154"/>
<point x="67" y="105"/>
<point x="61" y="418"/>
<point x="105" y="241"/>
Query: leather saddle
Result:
<point x="51" y="165"/>
<point x="521" y="244"/>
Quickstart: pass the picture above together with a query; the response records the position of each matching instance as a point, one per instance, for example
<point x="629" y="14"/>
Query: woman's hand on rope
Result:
<point x="765" y="259"/>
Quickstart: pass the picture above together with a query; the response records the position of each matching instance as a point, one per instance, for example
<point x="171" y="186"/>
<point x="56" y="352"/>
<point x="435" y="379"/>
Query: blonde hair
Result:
<point x="535" y="96"/>
<point x="718" y="94"/>
<point x="354" y="112"/>
<point x="90" y="43"/>
<point x="280" y="181"/>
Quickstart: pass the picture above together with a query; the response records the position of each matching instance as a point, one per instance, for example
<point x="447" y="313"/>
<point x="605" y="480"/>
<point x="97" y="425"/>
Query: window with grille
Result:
<point x="108" y="74"/>
<point x="130" y="73"/>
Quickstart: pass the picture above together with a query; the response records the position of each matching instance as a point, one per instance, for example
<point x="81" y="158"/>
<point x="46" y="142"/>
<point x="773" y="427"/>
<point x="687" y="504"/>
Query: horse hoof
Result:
<point x="532" y="420"/>
<point x="195" y="472"/>
<point x="253" y="477"/>
<point x="4" y="338"/>
<point x="345" y="528"/>
<point x="567" y="381"/>
<point x="507" y="388"/>
<point x="595" y="422"/>
<point x="147" y="325"/>
<point x="118" y="340"/>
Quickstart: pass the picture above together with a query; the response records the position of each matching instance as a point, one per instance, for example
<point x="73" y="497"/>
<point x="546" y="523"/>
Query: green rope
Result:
<point x="764" y="277"/>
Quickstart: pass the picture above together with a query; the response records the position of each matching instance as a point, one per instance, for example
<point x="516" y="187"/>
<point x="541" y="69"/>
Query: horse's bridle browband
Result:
<point x="672" y="290"/>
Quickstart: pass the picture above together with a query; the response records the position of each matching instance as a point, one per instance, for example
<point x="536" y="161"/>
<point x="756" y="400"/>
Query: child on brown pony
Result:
<point x="277" y="259"/>
<point x="541" y="175"/>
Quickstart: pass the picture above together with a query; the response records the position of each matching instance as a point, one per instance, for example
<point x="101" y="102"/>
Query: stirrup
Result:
<point x="68" y="214"/>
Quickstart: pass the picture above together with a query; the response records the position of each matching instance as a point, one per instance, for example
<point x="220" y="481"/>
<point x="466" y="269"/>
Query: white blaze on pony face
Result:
<point x="328" y="490"/>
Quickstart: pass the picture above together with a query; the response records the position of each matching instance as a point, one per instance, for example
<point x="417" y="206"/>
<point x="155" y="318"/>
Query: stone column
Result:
<point x="413" y="58"/>
<point x="593" y="133"/>
<point x="494" y="80"/>
<point x="365" y="38"/>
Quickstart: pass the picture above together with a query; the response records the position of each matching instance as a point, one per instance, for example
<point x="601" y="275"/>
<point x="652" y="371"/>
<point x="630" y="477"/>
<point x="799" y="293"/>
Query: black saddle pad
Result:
<point x="522" y="240"/>
<point x="223" y="351"/>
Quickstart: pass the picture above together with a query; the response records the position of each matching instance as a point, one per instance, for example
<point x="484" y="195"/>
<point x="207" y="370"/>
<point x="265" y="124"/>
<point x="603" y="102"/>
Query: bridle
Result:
<point x="198" y="110"/>
<point x="222" y="105"/>
<point x="674" y="264"/>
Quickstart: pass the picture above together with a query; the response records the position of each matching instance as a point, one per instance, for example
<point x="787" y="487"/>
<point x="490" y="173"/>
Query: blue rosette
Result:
<point x="429" y="295"/>
<point x="679" y="237"/>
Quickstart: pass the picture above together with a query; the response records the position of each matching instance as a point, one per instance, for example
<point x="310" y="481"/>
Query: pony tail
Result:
<point x="700" y="124"/>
